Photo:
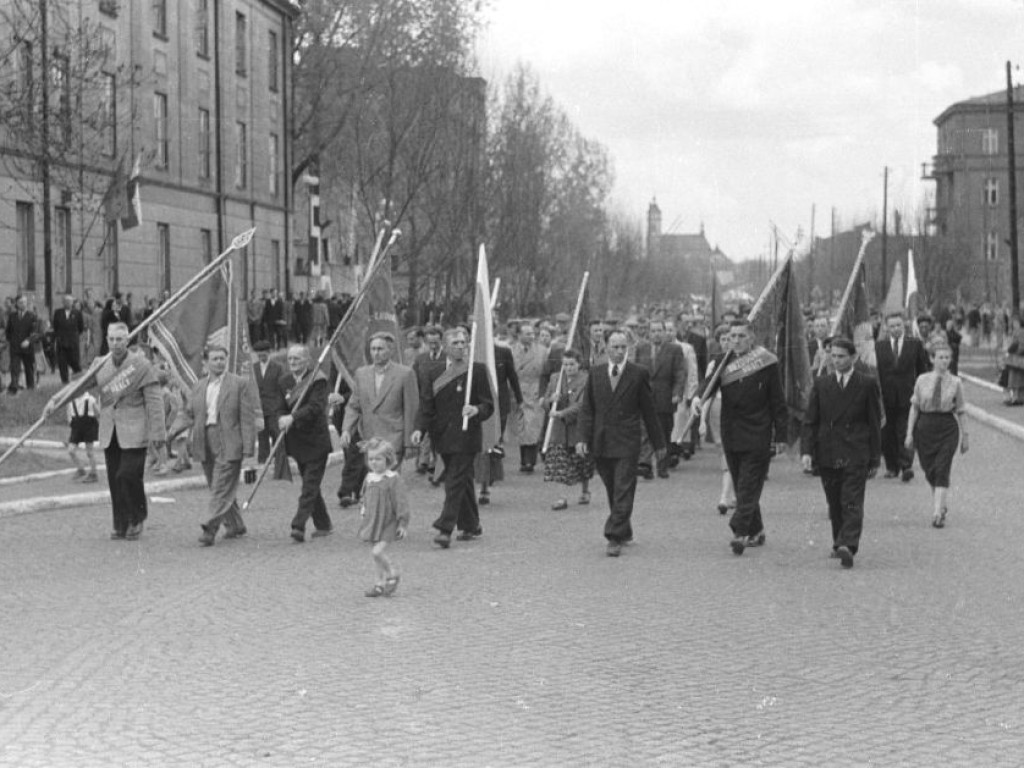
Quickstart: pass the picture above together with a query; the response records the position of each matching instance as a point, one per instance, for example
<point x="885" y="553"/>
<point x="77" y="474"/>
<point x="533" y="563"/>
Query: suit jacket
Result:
<point x="138" y="414"/>
<point x="390" y="413"/>
<point x="19" y="329"/>
<point x="425" y="368"/>
<point x="236" y="418"/>
<point x="668" y="374"/>
<point x="754" y="412"/>
<point x="440" y="412"/>
<point x="842" y="427"/>
<point x="610" y="420"/>
<point x="67" y="326"/>
<point x="269" y="387"/>
<point x="897" y="377"/>
<point x="308" y="438"/>
<point x="508" y="379"/>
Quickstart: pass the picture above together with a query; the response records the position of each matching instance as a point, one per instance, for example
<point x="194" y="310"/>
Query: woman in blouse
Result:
<point x="936" y="426"/>
<point x="562" y="464"/>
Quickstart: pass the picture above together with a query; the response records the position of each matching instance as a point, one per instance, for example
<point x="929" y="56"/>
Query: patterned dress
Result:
<point x="385" y="507"/>
<point x="563" y="464"/>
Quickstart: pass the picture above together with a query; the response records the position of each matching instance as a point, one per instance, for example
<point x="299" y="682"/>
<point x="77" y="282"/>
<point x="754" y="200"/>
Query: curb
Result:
<point x="995" y="422"/>
<point x="981" y="383"/>
<point x="69" y="501"/>
<point x="50" y="445"/>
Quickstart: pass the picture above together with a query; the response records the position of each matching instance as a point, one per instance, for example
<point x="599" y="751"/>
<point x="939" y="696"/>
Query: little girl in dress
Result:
<point x="384" y="512"/>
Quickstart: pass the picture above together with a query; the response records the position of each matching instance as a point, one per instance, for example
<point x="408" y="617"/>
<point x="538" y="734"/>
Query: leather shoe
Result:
<point x="560" y="504"/>
<point x="756" y="541"/>
<point x="116" y="535"/>
<point x="346" y="501"/>
<point x="723" y="509"/>
<point x="298" y="535"/>
<point x="469" y="535"/>
<point x="908" y="475"/>
<point x="645" y="472"/>
<point x="234" y="533"/>
<point x="319" y="533"/>
<point x="890" y="475"/>
<point x="208" y="537"/>
<point x="133" y="532"/>
<point x="663" y="474"/>
<point x="738" y="544"/>
<point x="485" y="498"/>
<point x="443" y="540"/>
<point x="614" y="549"/>
<point x="845" y="557"/>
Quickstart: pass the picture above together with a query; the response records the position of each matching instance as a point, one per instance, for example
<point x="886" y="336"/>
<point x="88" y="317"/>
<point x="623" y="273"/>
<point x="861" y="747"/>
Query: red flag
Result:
<point x="376" y="312"/>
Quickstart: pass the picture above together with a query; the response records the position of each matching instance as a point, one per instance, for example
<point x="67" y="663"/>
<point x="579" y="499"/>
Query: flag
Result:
<point x="581" y="336"/>
<point x="854" y="321"/>
<point x="913" y="303"/>
<point x="212" y="313"/>
<point x="483" y="346"/>
<point x="131" y="215"/>
<point x="313" y="189"/>
<point x="115" y="198"/>
<point x="781" y="325"/>
<point x="374" y="311"/>
<point x="895" y="298"/>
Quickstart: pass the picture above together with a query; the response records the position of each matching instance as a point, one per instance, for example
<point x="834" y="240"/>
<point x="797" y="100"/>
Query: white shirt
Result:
<point x="212" y="393"/>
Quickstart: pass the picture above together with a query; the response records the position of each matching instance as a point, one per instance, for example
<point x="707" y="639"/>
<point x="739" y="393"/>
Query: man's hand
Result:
<point x="581" y="449"/>
<point x="25" y="344"/>
<point x="695" y="407"/>
<point x="260" y="424"/>
<point x="807" y="462"/>
<point x="469" y="411"/>
<point x="284" y="422"/>
<point x="676" y="399"/>
<point x="335" y="398"/>
<point x="416" y="438"/>
<point x="909" y="442"/>
<point x="963" y="442"/>
<point x="345" y="439"/>
<point x="400" y="533"/>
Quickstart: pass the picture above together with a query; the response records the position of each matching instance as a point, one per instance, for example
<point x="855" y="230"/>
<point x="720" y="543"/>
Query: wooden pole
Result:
<point x="866" y="237"/>
<point x="568" y="343"/>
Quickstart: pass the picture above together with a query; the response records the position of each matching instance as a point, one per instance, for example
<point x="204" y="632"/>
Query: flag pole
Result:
<point x="70" y="390"/>
<point x="561" y="370"/>
<point x="866" y="236"/>
<point x="472" y="346"/>
<point x="395" y="234"/>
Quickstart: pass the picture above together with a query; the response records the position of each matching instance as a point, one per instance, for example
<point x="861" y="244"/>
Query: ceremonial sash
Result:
<point x="134" y="373"/>
<point x="292" y="395"/>
<point x="448" y="376"/>
<point x="748" y="364"/>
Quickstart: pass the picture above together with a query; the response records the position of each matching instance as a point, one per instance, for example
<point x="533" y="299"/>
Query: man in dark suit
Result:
<point x="303" y="419"/>
<point x="22" y="334"/>
<point x="665" y="362"/>
<point x="443" y="408"/>
<point x="842" y="437"/>
<point x="274" y="322"/>
<point x="508" y="383"/>
<point x="427" y="365"/>
<point x="617" y="405"/>
<point x="753" y="425"/>
<point x="67" y="330"/>
<point x="268" y="374"/>
<point x="900" y="361"/>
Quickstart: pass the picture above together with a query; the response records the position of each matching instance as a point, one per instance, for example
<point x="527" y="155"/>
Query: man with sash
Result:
<point x="131" y="419"/>
<point x="303" y="419"/>
<point x="753" y="425"/>
<point x="443" y="406"/>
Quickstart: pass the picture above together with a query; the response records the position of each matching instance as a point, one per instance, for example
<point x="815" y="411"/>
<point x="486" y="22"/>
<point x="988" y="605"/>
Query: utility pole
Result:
<point x="832" y="259"/>
<point x="810" y="261"/>
<point x="885" y="229"/>
<point x="44" y="158"/>
<point x="1012" y="161"/>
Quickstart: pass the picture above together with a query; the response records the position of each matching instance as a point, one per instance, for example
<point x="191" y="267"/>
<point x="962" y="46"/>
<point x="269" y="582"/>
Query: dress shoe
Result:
<point x="375" y="591"/>
<point x="346" y="501"/>
<point x="391" y="584"/>
<point x="133" y="532"/>
<point x="469" y="535"/>
<point x="526" y="469"/>
<point x="234" y="533"/>
<point x="614" y="549"/>
<point x="687" y="455"/>
<point x="485" y="498"/>
<point x="79" y="474"/>
<point x="890" y="475"/>
<point x="756" y="541"/>
<point x="584" y="498"/>
<point x="560" y="504"/>
<point x="738" y="544"/>
<point x="208" y="537"/>
<point x="90" y="478"/>
<point x="319" y="533"/>
<point x="663" y="474"/>
<point x="645" y="472"/>
<point x="845" y="557"/>
<point x="443" y="540"/>
<point x="298" y="535"/>
<point x="723" y="509"/>
<point x="114" y="535"/>
<point x="908" y="475"/>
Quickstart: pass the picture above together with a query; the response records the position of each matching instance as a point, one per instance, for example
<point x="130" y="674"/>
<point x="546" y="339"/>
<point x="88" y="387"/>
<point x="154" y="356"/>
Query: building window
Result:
<point x="60" y="76"/>
<point x="108" y="115"/>
<point x="275" y="260"/>
<point x="26" y="253"/>
<point x="204" y="143"/>
<point x="240" y="35"/>
<point x="992" y="246"/>
<point x="272" y="59"/>
<point x="203" y="28"/>
<point x="991" y="192"/>
<point x="990" y="141"/>
<point x="241" y="155"/>
<point x="274" y="164"/>
<point x="206" y="245"/>
<point x="163" y="150"/>
<point x="62" y="252"/>
<point x="163" y="266"/>
<point x="160" y="18"/>
<point x="109" y="255"/>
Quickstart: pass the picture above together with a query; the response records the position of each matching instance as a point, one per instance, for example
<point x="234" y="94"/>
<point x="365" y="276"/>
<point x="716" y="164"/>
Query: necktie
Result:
<point x="936" y="403"/>
<point x="615" y="371"/>
<point x="896" y="347"/>
<point x="842" y="381"/>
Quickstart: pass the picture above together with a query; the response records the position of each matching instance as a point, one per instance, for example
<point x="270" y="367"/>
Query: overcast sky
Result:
<point x="736" y="113"/>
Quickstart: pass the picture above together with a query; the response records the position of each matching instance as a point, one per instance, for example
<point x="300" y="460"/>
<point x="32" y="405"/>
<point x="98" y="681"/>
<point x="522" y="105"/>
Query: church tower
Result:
<point x="653" y="228"/>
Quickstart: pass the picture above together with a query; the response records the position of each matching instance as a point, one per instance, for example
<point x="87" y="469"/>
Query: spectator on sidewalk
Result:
<point x="83" y="419"/>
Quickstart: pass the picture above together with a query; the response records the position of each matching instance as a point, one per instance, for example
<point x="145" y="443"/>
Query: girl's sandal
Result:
<point x="585" y="497"/>
<point x="376" y="591"/>
<point x="390" y="586"/>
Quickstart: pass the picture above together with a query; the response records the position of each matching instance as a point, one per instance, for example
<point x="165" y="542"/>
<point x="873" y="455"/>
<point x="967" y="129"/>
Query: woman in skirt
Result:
<point x="562" y="464"/>
<point x="936" y="426"/>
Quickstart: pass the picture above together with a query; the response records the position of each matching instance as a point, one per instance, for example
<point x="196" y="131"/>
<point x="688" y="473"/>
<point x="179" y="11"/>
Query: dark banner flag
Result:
<point x="375" y="313"/>
<point x="854" y="322"/>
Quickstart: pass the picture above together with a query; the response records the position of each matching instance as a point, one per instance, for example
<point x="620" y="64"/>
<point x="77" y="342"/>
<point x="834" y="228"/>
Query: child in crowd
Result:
<point x="158" y="458"/>
<point x="84" y="418"/>
<point x="384" y="512"/>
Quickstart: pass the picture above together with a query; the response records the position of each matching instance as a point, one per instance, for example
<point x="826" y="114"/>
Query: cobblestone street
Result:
<point x="528" y="646"/>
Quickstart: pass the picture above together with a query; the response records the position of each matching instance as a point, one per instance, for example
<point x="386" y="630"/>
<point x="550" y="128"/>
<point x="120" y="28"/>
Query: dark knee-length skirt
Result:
<point x="936" y="437"/>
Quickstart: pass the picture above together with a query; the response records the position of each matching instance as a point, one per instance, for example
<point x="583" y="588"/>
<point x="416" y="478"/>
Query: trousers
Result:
<point x="619" y="478"/>
<point x="222" y="477"/>
<point x="460" y="508"/>
<point x="748" y="470"/>
<point x="311" y="500"/>
<point x="844" y="492"/>
<point x="125" y="469"/>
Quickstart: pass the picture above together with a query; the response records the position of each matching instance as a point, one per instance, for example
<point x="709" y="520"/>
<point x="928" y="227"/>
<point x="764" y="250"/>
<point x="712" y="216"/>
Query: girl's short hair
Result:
<point x="381" y="446"/>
